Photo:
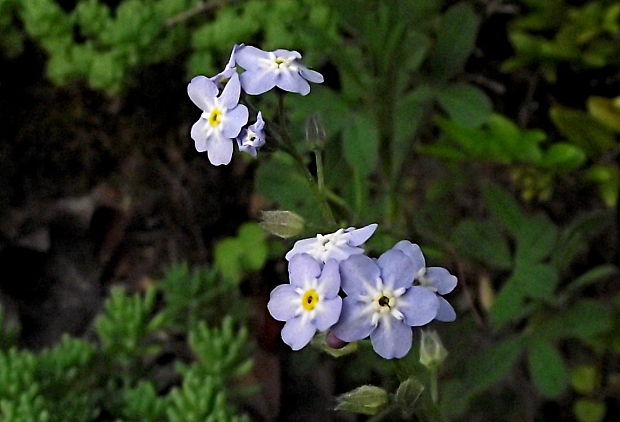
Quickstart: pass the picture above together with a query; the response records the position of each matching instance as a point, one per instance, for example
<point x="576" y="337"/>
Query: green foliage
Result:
<point x="553" y="32"/>
<point x="126" y="323"/>
<point x="247" y="252"/>
<point x="80" y="381"/>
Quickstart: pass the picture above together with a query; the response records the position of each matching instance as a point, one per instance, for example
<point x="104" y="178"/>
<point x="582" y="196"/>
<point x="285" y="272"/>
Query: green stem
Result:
<point x="318" y="156"/>
<point x="434" y="388"/>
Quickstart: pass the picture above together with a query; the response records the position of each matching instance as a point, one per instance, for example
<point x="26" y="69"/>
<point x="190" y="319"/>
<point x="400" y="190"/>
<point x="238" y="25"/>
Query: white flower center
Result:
<point x="324" y="244"/>
<point x="382" y="302"/>
<point x="308" y="301"/>
<point x="282" y="64"/>
<point x="250" y="138"/>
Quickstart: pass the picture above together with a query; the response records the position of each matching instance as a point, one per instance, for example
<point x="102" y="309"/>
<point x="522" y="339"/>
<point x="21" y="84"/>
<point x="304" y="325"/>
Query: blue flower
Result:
<point x="221" y="120"/>
<point x="224" y="76"/>
<point x="252" y="138"/>
<point x="338" y="245"/>
<point x="436" y="279"/>
<point x="309" y="303"/>
<point x="382" y="303"/>
<point x="267" y="69"/>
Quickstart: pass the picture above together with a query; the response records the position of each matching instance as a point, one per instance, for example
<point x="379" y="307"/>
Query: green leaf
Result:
<point x="605" y="111"/>
<point x="535" y="240"/>
<point x="456" y="38"/>
<point x="589" y="410"/>
<point x="466" y="104"/>
<point x="563" y="157"/>
<point x="547" y="368"/>
<point x="482" y="241"/>
<point x="585" y="378"/>
<point x="582" y="130"/>
<point x="504" y="207"/>
<point x="360" y="144"/>
<point x="407" y="395"/>
<point x="602" y="272"/>
<point x="582" y="320"/>
<point x="488" y="366"/>
<point x="367" y="400"/>
<point x="537" y="281"/>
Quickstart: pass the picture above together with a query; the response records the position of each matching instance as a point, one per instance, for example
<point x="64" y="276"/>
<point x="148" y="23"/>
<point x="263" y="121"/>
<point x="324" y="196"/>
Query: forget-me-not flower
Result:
<point x="252" y="138"/>
<point x="310" y="302"/>
<point x="436" y="279"/>
<point x="224" y="76"/>
<point x="267" y="69"/>
<point x="338" y="245"/>
<point x="382" y="303"/>
<point x="221" y="120"/>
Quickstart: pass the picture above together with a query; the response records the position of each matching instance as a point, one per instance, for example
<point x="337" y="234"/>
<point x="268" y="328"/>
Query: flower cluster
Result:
<point x="223" y="118"/>
<point x="383" y="298"/>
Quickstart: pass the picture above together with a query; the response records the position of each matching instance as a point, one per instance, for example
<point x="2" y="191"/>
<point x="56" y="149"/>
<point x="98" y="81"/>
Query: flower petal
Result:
<point x="202" y="92"/>
<point x="396" y="269"/>
<point x="329" y="282"/>
<point x="219" y="149"/>
<point x="355" y="322"/>
<point x="358" y="236"/>
<point x="283" y="302"/>
<point x="414" y="253"/>
<point x="232" y="91"/>
<point x="342" y="252"/>
<point x="302" y="268"/>
<point x="301" y="246"/>
<point x="441" y="279"/>
<point x="247" y="149"/>
<point x="199" y="135"/>
<point x="310" y="75"/>
<point x="250" y="57"/>
<point x="292" y="82"/>
<point x="445" y="313"/>
<point x="392" y="338"/>
<point x="327" y="313"/>
<point x="235" y="120"/>
<point x="356" y="273"/>
<point x="289" y="55"/>
<point x="419" y="305"/>
<point x="258" y="81"/>
<point x="298" y="332"/>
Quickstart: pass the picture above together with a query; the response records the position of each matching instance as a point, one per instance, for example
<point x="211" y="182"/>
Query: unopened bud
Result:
<point x="367" y="400"/>
<point x="315" y="132"/>
<point x="432" y="352"/>
<point x="284" y="224"/>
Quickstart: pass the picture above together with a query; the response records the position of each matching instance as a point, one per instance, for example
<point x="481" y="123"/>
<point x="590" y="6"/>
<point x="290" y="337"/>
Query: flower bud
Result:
<point x="315" y="132"/>
<point x="367" y="400"/>
<point x="432" y="352"/>
<point x="284" y="224"/>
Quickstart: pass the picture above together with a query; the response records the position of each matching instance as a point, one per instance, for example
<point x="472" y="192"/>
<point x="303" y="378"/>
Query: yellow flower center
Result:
<point x="215" y="118"/>
<point x="310" y="299"/>
<point x="280" y="61"/>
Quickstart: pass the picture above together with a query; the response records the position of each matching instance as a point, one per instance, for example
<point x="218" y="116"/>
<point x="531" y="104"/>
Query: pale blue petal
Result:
<point x="441" y="279"/>
<point x="202" y="92"/>
<point x="221" y="78"/>
<point x="414" y="253"/>
<point x="258" y="81"/>
<point x="391" y="339"/>
<point x="343" y="252"/>
<point x="235" y="120"/>
<point x="219" y="150"/>
<point x="358" y="236"/>
<point x="355" y="322"/>
<point x="311" y="75"/>
<point x="247" y="149"/>
<point x="446" y="311"/>
<point x="301" y="246"/>
<point x="289" y="55"/>
<point x="283" y="302"/>
<point x="329" y="281"/>
<point x="199" y="135"/>
<point x="356" y="272"/>
<point x="231" y="92"/>
<point x="260" y="123"/>
<point x="297" y="332"/>
<point x="396" y="269"/>
<point x="292" y="82"/>
<point x="419" y="305"/>
<point x="301" y="268"/>
<point x="250" y="57"/>
<point x="328" y="313"/>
